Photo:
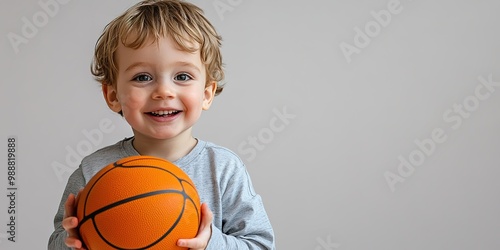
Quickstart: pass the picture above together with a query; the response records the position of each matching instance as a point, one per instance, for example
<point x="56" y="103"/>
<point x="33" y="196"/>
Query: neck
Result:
<point x="169" y="149"/>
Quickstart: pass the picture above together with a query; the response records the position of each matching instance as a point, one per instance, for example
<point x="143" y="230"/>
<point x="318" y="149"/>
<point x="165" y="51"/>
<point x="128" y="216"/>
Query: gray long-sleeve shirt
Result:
<point x="240" y="220"/>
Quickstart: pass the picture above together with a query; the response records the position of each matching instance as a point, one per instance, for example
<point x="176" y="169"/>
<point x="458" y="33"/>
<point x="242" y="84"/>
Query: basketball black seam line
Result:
<point x="116" y="165"/>
<point x="129" y="199"/>
<point x="121" y="164"/>
<point x="186" y="197"/>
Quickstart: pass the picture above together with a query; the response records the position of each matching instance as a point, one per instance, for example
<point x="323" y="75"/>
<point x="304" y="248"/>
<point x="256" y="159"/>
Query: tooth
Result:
<point x="163" y="112"/>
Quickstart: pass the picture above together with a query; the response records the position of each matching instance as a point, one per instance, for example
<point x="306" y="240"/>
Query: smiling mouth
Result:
<point x="165" y="113"/>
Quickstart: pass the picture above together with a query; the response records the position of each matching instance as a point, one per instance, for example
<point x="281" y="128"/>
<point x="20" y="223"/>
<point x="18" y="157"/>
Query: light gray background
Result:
<point x="321" y="175"/>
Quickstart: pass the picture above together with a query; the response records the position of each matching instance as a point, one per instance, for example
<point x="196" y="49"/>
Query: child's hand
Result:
<point x="200" y="242"/>
<point x="70" y="223"/>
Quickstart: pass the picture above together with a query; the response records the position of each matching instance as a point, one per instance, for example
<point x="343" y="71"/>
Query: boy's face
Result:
<point x="160" y="89"/>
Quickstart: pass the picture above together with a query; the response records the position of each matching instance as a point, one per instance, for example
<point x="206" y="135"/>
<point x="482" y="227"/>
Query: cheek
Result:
<point x="131" y="100"/>
<point x="195" y="99"/>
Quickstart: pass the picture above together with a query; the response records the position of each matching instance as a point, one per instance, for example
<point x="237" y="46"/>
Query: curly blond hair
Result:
<point x="154" y="19"/>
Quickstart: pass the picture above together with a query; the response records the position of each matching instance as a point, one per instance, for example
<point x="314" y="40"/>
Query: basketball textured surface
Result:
<point x="138" y="202"/>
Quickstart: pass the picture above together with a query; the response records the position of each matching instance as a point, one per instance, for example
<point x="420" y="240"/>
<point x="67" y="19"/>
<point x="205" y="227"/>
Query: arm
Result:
<point x="245" y="224"/>
<point x="57" y="240"/>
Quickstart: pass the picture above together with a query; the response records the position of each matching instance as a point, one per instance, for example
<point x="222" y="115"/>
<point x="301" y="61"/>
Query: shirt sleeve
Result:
<point x="245" y="224"/>
<point x="75" y="182"/>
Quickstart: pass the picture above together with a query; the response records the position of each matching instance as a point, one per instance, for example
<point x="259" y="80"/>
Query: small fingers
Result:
<point x="207" y="216"/>
<point x="69" y="206"/>
<point x="77" y="198"/>
<point x="193" y="244"/>
<point x="201" y="240"/>
<point x="73" y="242"/>
<point x="69" y="223"/>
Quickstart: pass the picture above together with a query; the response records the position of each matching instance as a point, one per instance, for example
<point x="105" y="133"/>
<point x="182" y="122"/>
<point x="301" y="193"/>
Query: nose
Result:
<point x="164" y="89"/>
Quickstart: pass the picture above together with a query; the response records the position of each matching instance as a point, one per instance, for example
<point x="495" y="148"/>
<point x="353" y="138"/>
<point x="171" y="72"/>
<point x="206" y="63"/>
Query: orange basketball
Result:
<point x="138" y="202"/>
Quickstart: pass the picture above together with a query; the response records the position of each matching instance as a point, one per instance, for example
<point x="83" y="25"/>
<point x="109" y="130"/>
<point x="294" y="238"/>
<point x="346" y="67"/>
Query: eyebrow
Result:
<point x="135" y="65"/>
<point x="181" y="63"/>
<point x="188" y="64"/>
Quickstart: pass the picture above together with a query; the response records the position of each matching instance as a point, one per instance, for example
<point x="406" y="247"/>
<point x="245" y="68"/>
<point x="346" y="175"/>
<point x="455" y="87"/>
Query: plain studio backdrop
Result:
<point x="363" y="124"/>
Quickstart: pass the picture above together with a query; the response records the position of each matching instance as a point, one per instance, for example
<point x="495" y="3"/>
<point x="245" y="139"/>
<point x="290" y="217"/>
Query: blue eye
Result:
<point x="183" y="77"/>
<point x="143" y="78"/>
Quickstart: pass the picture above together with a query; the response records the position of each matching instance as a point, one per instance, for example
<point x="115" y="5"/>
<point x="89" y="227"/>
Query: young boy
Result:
<point x="159" y="64"/>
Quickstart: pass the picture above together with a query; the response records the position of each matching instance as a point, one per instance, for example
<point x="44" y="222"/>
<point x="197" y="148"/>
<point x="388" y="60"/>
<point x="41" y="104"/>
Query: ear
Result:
<point x="209" y="95"/>
<point x="110" y="95"/>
